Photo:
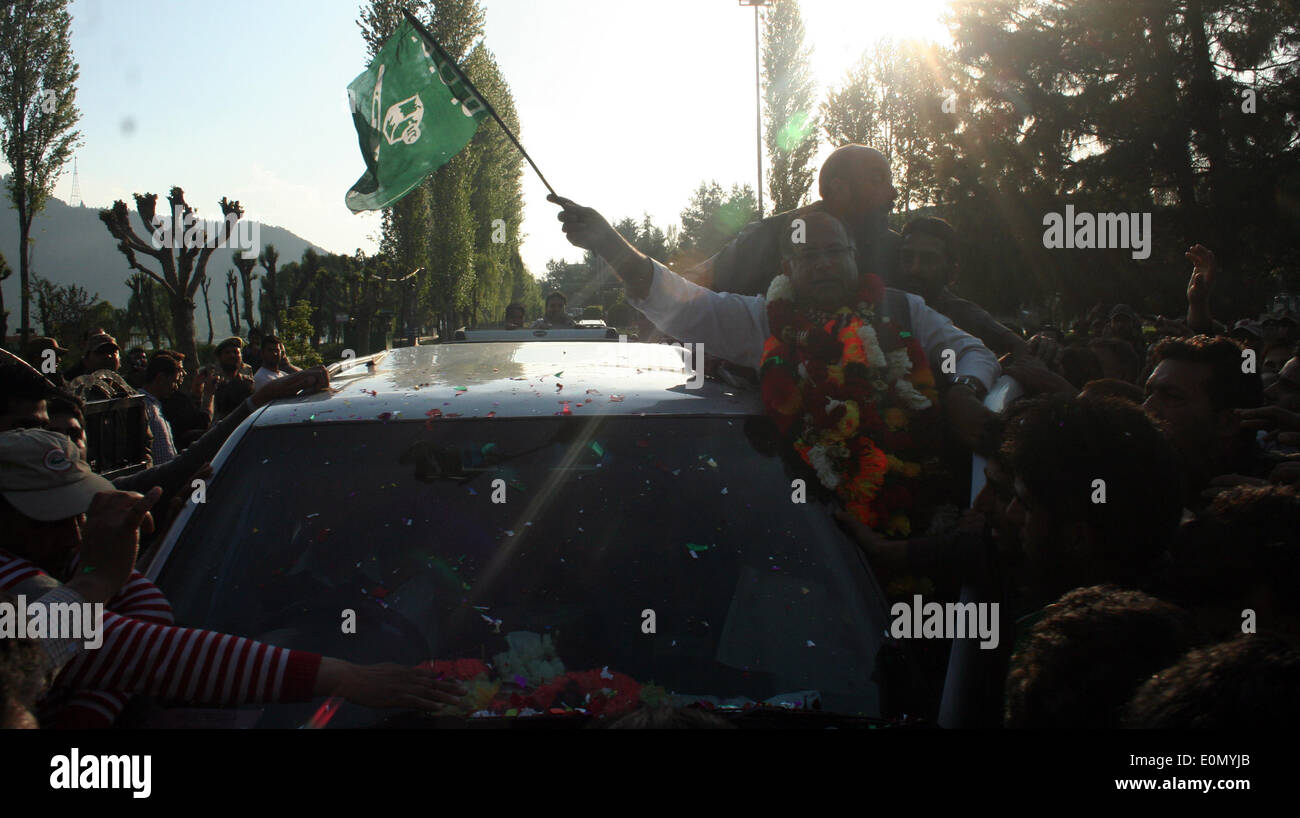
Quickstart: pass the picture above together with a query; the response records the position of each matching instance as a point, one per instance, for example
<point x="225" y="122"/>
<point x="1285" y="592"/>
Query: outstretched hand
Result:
<point x="1202" y="280"/>
<point x="306" y="381"/>
<point x="584" y="227"/>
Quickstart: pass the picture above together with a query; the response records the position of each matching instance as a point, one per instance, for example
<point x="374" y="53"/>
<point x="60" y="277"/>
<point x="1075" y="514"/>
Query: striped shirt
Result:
<point x="145" y="654"/>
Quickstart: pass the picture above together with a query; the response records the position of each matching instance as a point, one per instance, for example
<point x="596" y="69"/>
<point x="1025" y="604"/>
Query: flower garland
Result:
<point x="854" y="395"/>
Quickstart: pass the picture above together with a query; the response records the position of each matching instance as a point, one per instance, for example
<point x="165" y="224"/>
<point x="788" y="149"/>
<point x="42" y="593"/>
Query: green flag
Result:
<point x="413" y="112"/>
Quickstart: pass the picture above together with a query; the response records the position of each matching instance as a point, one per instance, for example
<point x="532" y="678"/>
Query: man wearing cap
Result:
<point x="101" y="353"/>
<point x="1249" y="333"/>
<point x="51" y="505"/>
<point x="44" y="353"/>
<point x="234" y="380"/>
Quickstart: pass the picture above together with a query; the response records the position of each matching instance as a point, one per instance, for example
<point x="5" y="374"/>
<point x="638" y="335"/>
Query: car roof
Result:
<point x="516" y="380"/>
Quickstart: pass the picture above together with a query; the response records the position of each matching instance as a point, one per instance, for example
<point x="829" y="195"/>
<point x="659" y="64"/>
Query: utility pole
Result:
<point x="758" y="94"/>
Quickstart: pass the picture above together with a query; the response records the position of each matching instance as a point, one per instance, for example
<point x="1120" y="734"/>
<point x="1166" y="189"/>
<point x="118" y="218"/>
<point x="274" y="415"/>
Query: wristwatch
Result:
<point x="973" y="383"/>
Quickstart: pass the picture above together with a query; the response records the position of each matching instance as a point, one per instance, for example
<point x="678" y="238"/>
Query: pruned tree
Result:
<point x="269" y="258"/>
<point x="207" y="306"/>
<point x="183" y="260"/>
<point x="247" y="276"/>
<point x="38" y="113"/>
<point x="231" y="301"/>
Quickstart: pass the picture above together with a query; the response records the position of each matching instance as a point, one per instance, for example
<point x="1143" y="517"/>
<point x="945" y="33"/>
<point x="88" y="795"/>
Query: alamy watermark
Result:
<point x="188" y="231"/>
<point x="54" y="620"/>
<point x="1100" y="231"/>
<point x="951" y="620"/>
<point x="648" y="356"/>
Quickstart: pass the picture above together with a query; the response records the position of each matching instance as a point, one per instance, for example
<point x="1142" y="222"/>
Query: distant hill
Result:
<point x="72" y="246"/>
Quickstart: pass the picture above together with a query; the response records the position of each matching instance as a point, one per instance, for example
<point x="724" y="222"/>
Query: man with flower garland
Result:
<point x="845" y="364"/>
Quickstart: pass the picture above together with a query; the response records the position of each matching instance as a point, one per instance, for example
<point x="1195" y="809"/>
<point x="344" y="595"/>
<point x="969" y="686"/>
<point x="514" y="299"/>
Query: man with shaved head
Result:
<point x="855" y="187"/>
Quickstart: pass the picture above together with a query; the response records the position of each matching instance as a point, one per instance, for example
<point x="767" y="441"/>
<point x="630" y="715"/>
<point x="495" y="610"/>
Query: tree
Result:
<point x="296" y="333"/>
<point x="231" y="302"/>
<point x="713" y="217"/>
<point x="247" y="277"/>
<point x="63" y="310"/>
<point x="1138" y="107"/>
<point x="790" y="111"/>
<point x="143" y="308"/>
<point x="892" y="101"/>
<point x="182" y="259"/>
<point x="433" y="227"/>
<point x="5" y="272"/>
<point x="268" y="258"/>
<point x="496" y="193"/>
<point x="207" y="306"/>
<point x="38" y="113"/>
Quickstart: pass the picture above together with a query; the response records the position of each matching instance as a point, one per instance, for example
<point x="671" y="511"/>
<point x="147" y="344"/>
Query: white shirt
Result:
<point x="265" y="376"/>
<point x="734" y="327"/>
<point x="164" y="449"/>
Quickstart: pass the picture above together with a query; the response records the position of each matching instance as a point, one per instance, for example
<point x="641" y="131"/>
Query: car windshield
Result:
<point x="643" y="559"/>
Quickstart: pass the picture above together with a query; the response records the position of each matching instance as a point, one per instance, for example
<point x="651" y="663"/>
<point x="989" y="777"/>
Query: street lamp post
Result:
<point x="758" y="96"/>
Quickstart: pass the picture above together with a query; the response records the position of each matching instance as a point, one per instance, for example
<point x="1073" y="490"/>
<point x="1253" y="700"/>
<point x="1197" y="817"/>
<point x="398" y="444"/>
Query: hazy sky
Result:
<point x="625" y="106"/>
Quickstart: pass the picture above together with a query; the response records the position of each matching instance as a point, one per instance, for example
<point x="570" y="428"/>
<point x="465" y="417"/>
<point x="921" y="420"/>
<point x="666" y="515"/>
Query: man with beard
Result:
<point x="844" y="361"/>
<point x="928" y="267"/>
<point x="235" y="381"/>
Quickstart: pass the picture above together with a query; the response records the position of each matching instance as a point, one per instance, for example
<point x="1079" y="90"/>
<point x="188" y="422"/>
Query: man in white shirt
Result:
<point x="735" y="327"/>
<point x="272" y="356"/>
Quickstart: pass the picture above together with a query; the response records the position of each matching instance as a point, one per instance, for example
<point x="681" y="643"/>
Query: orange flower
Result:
<point x="895" y="419"/>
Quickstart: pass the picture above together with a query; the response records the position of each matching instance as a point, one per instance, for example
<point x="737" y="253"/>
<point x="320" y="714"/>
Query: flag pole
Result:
<point x="424" y="32"/>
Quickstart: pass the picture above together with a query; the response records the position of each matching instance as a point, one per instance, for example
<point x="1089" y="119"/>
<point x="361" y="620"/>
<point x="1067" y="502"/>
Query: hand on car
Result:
<point x="308" y="382"/>
<point x="967" y="416"/>
<point x="110" y="541"/>
<point x="884" y="555"/>
<point x="386" y="685"/>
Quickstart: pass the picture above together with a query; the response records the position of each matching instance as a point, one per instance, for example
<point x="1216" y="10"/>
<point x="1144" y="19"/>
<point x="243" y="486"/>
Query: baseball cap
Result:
<point x="232" y="341"/>
<point x="1247" y="327"/>
<point x="43" y="476"/>
<point x="100" y="339"/>
<point x="41" y="343"/>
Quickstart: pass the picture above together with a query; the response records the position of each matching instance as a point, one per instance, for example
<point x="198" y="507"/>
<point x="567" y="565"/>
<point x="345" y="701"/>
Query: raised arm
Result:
<point x="730" y="326"/>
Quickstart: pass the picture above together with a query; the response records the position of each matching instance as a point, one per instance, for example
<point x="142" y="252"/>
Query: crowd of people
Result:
<point x="69" y="535"/>
<point x="1138" y="525"/>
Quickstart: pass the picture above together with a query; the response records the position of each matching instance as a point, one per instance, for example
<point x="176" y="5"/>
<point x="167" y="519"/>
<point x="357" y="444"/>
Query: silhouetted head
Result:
<point x="855" y="184"/>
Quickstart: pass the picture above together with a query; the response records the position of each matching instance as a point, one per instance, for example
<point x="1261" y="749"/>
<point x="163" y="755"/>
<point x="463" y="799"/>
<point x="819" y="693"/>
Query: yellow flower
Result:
<point x="848" y="424"/>
<point x="835" y="374"/>
<point x="895" y="419"/>
<point x="899" y="525"/>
